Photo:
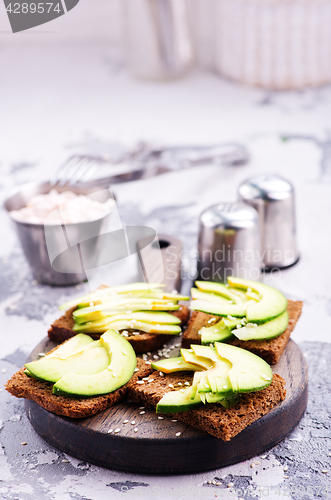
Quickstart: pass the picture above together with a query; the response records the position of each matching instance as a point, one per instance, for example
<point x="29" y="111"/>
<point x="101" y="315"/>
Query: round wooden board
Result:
<point x="154" y="448"/>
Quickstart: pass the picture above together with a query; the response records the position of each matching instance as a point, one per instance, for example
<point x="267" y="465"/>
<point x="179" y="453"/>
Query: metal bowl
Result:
<point x="53" y="251"/>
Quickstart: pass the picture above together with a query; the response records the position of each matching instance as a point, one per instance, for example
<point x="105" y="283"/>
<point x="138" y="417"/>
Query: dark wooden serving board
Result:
<point x="154" y="447"/>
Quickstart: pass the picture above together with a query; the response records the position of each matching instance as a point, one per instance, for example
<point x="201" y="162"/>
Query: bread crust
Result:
<point x="22" y="386"/>
<point x="223" y="423"/>
<point x="270" y="350"/>
<point x="62" y="329"/>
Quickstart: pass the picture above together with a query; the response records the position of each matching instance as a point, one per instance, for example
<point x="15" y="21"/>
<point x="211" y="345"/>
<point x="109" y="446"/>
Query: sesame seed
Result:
<point x="161" y="374"/>
<point x="187" y="383"/>
<point x="110" y="430"/>
<point x="263" y="456"/>
<point x="24" y="443"/>
<point x="64" y="461"/>
<point x="140" y="382"/>
<point x="116" y="431"/>
<point x="136" y="369"/>
<point x="174" y="420"/>
<point x="178" y="434"/>
<point x="148" y="353"/>
<point x="135" y="429"/>
<point x="166" y="356"/>
<point x="144" y="357"/>
<point x="172" y="347"/>
<point x="230" y="485"/>
<point x="285" y="468"/>
<point x="145" y="378"/>
<point x="211" y="320"/>
<point x="41" y="354"/>
<point x="160" y="418"/>
<point x="142" y="412"/>
<point x="148" y="363"/>
<point x="325" y="471"/>
<point x="135" y="333"/>
<point x="170" y="385"/>
<point x="177" y="345"/>
<point x="179" y="383"/>
<point x="286" y="477"/>
<point x="155" y="356"/>
<point x="141" y="408"/>
<point x="125" y="421"/>
<point x="133" y="422"/>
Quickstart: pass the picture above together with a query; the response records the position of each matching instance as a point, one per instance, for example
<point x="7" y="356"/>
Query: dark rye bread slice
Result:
<point x="62" y="329"/>
<point x="270" y="350"/>
<point x="22" y="386"/>
<point x="211" y="418"/>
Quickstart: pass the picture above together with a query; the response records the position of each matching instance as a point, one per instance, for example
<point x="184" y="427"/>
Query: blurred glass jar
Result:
<point x="158" y="38"/>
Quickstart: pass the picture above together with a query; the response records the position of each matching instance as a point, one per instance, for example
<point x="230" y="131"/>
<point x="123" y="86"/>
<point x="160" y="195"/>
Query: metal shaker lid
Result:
<point x="273" y="197"/>
<point x="229" y="242"/>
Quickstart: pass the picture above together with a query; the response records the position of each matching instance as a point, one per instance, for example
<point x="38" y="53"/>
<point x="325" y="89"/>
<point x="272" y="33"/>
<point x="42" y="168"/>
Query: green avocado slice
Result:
<point x="271" y="304"/>
<point x="220" y="309"/>
<point x="128" y="324"/>
<point x="217" y="377"/>
<point x="268" y="330"/>
<point x="176" y="401"/>
<point x="209" y="297"/>
<point x="171" y="365"/>
<point x="80" y="354"/>
<point x="218" y="332"/>
<point x="249" y="372"/>
<point x="219" y="288"/>
<point x="118" y="372"/>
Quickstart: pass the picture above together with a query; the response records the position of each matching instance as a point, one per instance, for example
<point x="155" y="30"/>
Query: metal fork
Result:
<point x="147" y="161"/>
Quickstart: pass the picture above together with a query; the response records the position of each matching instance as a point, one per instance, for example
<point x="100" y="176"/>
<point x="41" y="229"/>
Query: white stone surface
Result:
<point x="60" y="99"/>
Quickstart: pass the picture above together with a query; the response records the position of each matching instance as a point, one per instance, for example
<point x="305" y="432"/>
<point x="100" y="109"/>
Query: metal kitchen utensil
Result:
<point x="44" y="245"/>
<point x="229" y="242"/>
<point x="159" y="41"/>
<point x="144" y="161"/>
<point x="273" y="197"/>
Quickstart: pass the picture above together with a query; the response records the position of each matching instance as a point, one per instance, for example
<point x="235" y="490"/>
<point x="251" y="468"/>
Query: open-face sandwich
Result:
<point x="142" y="312"/>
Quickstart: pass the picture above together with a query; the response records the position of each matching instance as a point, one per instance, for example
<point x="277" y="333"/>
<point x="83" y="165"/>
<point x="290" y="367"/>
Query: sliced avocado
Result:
<point x="171" y="365"/>
<point x="128" y="325"/>
<point x="81" y="316"/>
<point x="272" y="302"/>
<point x="220" y="309"/>
<point x="249" y="372"/>
<point x="175" y="401"/>
<point x="268" y="330"/>
<point x="121" y="289"/>
<point x="218" y="332"/>
<point x="118" y="372"/>
<point x="219" y="288"/>
<point x="217" y="376"/>
<point x="191" y="358"/>
<point x="239" y="293"/>
<point x="210" y="297"/>
<point x="83" y="359"/>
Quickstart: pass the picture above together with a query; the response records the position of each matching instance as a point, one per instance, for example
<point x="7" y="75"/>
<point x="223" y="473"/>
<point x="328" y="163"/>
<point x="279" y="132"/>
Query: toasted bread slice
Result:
<point x="62" y="329"/>
<point x="270" y="350"/>
<point x="22" y="386"/>
<point x="212" y="418"/>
